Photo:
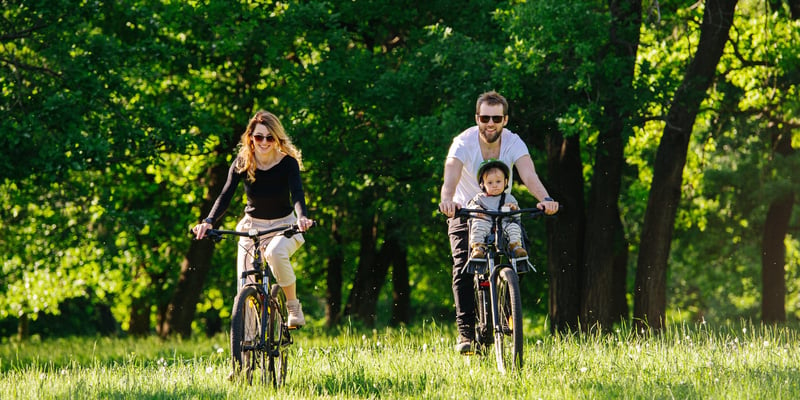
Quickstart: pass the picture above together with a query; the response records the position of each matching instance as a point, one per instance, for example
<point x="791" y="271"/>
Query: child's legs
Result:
<point x="513" y="232"/>
<point x="478" y="230"/>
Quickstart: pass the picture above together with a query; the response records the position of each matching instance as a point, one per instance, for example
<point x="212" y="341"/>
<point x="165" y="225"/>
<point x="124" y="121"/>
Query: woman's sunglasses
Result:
<point x="496" y="118"/>
<point x="260" y="138"/>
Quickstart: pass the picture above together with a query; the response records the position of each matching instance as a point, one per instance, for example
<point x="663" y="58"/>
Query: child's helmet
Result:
<point x="491" y="163"/>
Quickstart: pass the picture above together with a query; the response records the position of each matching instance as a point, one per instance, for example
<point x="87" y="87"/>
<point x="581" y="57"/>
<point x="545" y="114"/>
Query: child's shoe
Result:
<point x="478" y="251"/>
<point x="517" y="250"/>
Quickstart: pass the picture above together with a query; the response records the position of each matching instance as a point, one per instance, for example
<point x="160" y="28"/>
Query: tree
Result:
<point x="665" y="191"/>
<point x="606" y="249"/>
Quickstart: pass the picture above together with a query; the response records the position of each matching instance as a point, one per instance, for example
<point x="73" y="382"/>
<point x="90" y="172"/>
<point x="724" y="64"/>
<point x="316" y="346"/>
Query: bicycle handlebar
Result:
<point x="468" y="212"/>
<point x="288" y="231"/>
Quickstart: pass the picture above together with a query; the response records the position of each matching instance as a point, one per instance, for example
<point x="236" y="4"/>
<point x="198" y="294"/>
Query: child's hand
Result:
<point x="512" y="206"/>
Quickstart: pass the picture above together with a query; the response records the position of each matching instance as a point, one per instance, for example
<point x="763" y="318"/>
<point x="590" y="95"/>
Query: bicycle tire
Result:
<point x="277" y="337"/>
<point x="509" y="339"/>
<point x="247" y="349"/>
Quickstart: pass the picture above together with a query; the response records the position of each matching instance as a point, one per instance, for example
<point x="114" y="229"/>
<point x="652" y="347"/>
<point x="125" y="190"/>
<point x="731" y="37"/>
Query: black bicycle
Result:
<point x="498" y="300"/>
<point x="259" y="348"/>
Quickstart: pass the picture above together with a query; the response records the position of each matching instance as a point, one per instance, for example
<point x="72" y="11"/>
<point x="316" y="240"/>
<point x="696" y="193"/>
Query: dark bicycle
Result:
<point x="498" y="300"/>
<point x="258" y="348"/>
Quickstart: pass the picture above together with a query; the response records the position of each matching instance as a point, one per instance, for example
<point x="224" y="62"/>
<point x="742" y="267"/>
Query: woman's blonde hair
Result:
<point x="247" y="157"/>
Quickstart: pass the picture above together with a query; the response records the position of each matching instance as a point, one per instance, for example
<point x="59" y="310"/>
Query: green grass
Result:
<point x="685" y="362"/>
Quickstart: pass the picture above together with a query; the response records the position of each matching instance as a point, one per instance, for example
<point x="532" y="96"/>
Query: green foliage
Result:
<point x="112" y="114"/>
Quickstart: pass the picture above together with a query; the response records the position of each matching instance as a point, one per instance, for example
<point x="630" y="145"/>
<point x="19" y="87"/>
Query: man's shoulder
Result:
<point x="466" y="134"/>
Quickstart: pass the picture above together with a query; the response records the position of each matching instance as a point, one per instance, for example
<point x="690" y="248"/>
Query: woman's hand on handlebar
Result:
<point x="200" y="229"/>
<point x="449" y="207"/>
<point x="304" y="223"/>
<point x="548" y="205"/>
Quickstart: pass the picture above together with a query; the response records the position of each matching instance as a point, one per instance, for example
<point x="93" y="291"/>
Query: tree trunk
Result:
<point x="182" y="307"/>
<point x="603" y="301"/>
<point x="23" y="326"/>
<point x="333" y="294"/>
<point x="180" y="311"/>
<point x="363" y="297"/>
<point x="139" y="320"/>
<point x="401" y="293"/>
<point x="665" y="191"/>
<point x="564" y="244"/>
<point x="773" y="259"/>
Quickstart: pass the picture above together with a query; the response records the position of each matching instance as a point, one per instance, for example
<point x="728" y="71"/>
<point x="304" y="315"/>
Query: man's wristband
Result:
<point x="548" y="198"/>
<point x="209" y="221"/>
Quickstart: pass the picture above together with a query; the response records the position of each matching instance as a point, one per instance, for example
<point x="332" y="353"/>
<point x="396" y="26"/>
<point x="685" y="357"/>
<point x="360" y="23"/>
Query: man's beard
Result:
<point x="488" y="138"/>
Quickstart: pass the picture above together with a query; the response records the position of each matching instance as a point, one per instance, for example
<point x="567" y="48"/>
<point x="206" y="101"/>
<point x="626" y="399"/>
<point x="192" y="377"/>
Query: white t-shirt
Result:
<point x="466" y="148"/>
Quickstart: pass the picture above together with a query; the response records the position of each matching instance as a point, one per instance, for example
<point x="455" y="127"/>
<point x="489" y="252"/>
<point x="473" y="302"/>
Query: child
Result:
<point x="493" y="179"/>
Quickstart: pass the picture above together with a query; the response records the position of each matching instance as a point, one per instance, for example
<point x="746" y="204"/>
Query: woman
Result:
<point x="269" y="164"/>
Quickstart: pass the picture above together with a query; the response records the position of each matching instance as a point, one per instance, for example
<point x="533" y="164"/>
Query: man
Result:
<point x="489" y="139"/>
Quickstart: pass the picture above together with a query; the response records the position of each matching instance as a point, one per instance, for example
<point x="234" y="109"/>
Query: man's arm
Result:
<point x="527" y="172"/>
<point x="452" y="174"/>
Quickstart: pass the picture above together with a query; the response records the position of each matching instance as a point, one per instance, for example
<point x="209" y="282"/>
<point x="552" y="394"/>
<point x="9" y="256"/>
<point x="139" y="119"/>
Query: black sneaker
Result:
<point x="464" y="345"/>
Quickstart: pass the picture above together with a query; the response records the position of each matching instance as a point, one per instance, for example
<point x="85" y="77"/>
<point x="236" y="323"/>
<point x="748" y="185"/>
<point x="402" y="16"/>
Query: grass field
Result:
<point x="684" y="362"/>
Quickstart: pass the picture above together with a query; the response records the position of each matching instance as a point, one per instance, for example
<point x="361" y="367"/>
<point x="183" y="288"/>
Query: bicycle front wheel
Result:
<point x="247" y="348"/>
<point x="278" y="338"/>
<point x="508" y="340"/>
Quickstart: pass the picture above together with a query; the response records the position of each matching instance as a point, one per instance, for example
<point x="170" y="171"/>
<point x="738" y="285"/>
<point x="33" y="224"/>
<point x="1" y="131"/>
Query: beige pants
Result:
<point x="276" y="249"/>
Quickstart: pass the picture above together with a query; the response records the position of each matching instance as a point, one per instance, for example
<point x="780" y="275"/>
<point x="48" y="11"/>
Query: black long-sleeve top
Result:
<point x="268" y="197"/>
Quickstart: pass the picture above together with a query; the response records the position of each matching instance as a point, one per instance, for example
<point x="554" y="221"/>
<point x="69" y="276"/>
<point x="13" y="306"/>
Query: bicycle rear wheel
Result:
<point x="509" y="341"/>
<point x="278" y="338"/>
<point x="247" y="348"/>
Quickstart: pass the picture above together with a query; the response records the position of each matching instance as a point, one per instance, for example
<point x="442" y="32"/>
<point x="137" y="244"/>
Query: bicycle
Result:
<point x="257" y="347"/>
<point x="499" y="313"/>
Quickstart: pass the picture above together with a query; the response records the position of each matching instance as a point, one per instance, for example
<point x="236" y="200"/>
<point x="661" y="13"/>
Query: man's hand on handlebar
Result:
<point x="449" y="207"/>
<point x="548" y="205"/>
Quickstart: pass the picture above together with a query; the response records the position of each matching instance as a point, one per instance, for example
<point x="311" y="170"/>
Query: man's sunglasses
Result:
<point x="496" y="118"/>
<point x="260" y="138"/>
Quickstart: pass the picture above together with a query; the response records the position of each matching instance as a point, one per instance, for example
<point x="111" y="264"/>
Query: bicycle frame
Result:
<point x="273" y="333"/>
<point x="490" y="273"/>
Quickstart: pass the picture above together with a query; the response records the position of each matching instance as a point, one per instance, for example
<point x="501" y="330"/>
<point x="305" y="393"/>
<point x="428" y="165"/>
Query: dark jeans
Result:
<point x="458" y="231"/>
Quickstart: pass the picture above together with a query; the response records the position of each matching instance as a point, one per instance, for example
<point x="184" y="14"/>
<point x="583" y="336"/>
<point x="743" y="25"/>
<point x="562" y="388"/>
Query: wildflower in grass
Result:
<point x="584" y="369"/>
<point x="209" y="370"/>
